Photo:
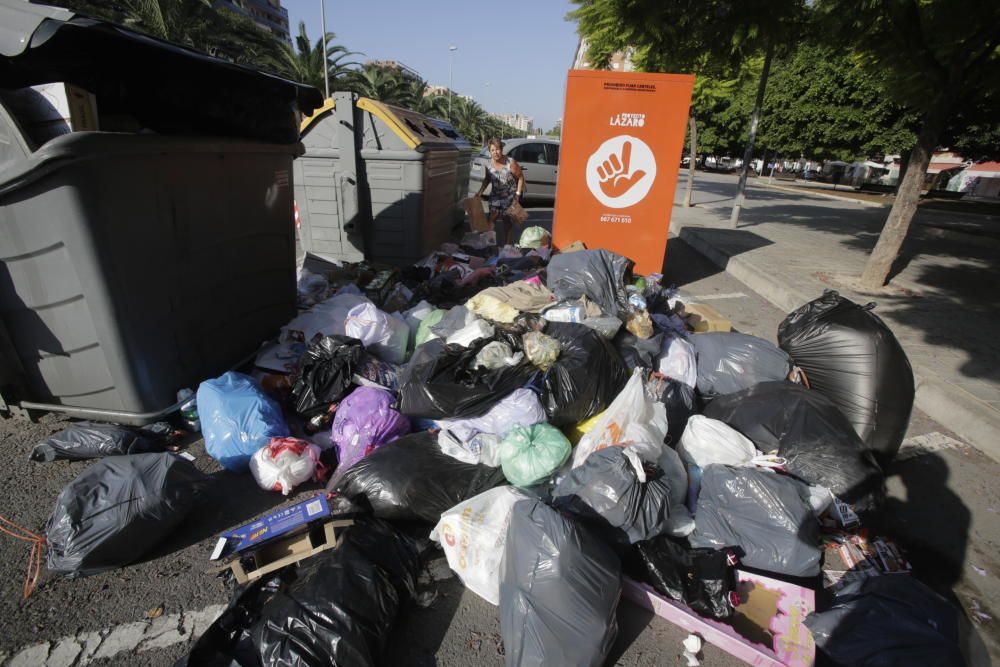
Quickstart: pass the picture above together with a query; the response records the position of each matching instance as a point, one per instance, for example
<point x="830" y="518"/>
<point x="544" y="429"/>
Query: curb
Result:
<point x="941" y="400"/>
<point x="809" y="193"/>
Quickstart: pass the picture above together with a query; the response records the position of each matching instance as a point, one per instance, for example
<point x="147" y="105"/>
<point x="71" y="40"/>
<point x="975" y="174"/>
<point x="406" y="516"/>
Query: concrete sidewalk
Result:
<point x="942" y="303"/>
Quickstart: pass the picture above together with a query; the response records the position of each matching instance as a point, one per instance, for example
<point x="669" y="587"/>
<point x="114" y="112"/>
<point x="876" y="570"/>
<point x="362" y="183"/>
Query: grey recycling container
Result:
<point x="147" y="240"/>
<point x="378" y="182"/>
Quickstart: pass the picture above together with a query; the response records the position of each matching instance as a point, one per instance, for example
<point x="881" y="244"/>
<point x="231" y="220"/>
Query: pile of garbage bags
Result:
<point x="548" y="419"/>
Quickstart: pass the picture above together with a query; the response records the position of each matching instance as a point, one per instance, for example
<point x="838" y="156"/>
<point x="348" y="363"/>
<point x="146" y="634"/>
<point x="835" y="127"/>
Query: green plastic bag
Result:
<point x="424" y="330"/>
<point x="529" y="454"/>
<point x="533" y="237"/>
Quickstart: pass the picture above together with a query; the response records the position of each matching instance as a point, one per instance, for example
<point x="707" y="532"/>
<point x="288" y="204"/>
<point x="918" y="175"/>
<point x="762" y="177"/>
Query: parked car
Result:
<point x="539" y="159"/>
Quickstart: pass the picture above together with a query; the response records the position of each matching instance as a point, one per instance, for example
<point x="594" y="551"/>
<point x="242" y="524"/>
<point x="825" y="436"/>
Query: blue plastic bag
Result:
<point x="237" y="419"/>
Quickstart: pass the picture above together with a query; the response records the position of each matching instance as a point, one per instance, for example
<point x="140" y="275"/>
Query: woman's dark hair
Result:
<point x="495" y="141"/>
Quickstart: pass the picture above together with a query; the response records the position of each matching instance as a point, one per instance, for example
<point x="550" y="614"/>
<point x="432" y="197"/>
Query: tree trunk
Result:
<point x="748" y="155"/>
<point x="904" y="164"/>
<point x="907" y="196"/>
<point x="694" y="156"/>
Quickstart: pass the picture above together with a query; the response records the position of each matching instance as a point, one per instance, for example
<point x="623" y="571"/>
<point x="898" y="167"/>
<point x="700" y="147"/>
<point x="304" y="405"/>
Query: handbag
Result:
<point x="516" y="212"/>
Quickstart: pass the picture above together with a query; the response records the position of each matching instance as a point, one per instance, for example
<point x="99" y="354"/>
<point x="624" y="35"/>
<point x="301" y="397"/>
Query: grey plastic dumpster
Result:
<point x="378" y="182"/>
<point x="133" y="265"/>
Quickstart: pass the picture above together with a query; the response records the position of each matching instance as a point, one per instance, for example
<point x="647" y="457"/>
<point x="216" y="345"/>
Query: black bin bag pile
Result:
<point x="850" y="356"/>
<point x="726" y="451"/>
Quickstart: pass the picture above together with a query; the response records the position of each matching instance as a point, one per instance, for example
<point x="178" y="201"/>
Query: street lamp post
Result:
<point x="451" y="63"/>
<point x="326" y="63"/>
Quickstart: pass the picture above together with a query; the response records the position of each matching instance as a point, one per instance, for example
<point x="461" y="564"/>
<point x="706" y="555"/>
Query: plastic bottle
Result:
<point x="189" y="409"/>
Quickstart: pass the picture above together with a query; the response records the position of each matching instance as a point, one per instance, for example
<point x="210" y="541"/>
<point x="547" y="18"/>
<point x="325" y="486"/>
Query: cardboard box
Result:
<point x="703" y="319"/>
<point x="767" y="628"/>
<point x="574" y="246"/>
<point x="280" y="522"/>
<point x="276" y="554"/>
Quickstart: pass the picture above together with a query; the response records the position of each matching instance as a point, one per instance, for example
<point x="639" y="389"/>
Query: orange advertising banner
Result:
<point x="622" y="139"/>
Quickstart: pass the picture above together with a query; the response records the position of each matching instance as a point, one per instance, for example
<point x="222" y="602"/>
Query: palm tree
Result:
<point x="470" y="119"/>
<point x="435" y="105"/>
<point x="380" y="83"/>
<point x="305" y="62"/>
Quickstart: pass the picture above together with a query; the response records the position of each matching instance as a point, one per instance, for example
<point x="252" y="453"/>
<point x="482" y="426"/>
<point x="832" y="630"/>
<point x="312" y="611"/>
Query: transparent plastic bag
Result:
<point x="285" y="463"/>
<point x="541" y="350"/>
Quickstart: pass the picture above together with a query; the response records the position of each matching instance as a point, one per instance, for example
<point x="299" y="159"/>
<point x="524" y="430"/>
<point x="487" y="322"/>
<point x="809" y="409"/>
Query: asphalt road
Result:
<point x="945" y="500"/>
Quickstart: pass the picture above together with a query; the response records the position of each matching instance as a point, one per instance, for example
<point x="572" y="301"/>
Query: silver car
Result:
<point x="539" y="159"/>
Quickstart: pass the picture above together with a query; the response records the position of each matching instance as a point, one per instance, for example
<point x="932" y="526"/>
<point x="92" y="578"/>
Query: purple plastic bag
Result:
<point x="365" y="421"/>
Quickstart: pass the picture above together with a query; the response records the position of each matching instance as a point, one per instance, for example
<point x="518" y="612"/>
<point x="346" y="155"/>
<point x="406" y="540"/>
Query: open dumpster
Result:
<point x="378" y="182"/>
<point x="147" y="238"/>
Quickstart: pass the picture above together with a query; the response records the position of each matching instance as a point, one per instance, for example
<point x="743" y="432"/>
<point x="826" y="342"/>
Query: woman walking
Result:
<point x="507" y="179"/>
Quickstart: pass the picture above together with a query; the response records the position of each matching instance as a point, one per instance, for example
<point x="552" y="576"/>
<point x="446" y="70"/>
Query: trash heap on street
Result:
<point x="557" y="427"/>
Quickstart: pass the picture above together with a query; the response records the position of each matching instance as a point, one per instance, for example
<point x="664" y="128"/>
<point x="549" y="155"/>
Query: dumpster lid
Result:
<point x="43" y="44"/>
<point x="415" y="129"/>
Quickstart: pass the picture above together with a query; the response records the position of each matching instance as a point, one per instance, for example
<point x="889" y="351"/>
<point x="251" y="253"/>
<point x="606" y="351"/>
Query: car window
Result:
<point x="529" y="153"/>
<point x="485" y="152"/>
<point x="552" y="153"/>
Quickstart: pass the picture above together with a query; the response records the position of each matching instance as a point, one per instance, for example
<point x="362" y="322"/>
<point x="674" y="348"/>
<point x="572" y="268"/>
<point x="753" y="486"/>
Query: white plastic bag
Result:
<point x="285" y="463"/>
<point x="632" y="420"/>
<point x="473" y="535"/>
<point x="678" y="360"/>
<point x="414" y="316"/>
<point x="470" y="333"/>
<point x="519" y="408"/>
<point x="383" y="335"/>
<point x="706" y="441"/>
<point x="481" y="448"/>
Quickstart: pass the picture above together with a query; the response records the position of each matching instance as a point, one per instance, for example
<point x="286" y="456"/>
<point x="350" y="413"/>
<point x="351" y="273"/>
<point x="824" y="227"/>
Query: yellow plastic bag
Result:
<point x="577" y="431"/>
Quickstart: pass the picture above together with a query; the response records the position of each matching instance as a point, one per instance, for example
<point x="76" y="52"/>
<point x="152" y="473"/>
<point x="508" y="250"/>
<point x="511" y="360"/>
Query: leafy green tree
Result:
<point x="821" y="104"/>
<point x="706" y="37"/>
<point x="933" y="53"/>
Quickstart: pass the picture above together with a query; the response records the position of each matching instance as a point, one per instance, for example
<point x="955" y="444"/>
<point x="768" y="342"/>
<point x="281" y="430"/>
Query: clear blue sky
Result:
<point x="512" y="55"/>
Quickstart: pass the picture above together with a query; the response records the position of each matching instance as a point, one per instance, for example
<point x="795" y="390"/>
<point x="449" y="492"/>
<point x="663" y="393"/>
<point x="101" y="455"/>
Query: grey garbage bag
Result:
<point x="810" y="432"/>
<point x="850" y="356"/>
<point x="559" y="589"/>
<point x="119" y="508"/>
<point x="765" y="513"/>
<point x="892" y="621"/>
<point x="630" y="505"/>
<point x="599" y="275"/>
<point x="90" y="440"/>
<point x="729" y="362"/>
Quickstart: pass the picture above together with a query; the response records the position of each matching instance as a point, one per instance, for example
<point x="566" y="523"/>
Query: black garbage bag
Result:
<point x="810" y="432"/>
<point x="891" y="621"/>
<point x="342" y="606"/>
<point x="325" y="377"/>
<point x="118" y="509"/>
<point x="559" y="589"/>
<point x="729" y="362"/>
<point x="680" y="402"/>
<point x="411" y="478"/>
<point x="600" y="275"/>
<point x="762" y="512"/>
<point x="703" y="579"/>
<point x="337" y="608"/>
<point x="90" y="440"/>
<point x="586" y="377"/>
<point x="850" y="356"/>
<point x="637" y="351"/>
<point x="441" y="381"/>
<point x="607" y="491"/>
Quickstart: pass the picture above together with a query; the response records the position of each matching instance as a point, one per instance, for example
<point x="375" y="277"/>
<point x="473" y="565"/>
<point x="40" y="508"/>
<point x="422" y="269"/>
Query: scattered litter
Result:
<point x="692" y="647"/>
